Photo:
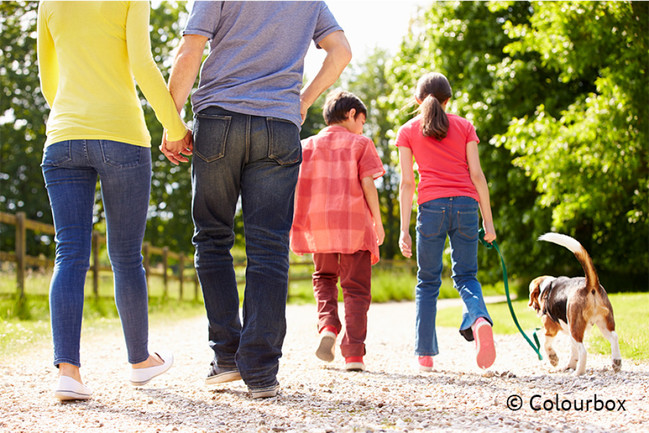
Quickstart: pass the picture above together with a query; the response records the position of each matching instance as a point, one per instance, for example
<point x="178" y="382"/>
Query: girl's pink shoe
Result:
<point x="425" y="363"/>
<point x="484" y="343"/>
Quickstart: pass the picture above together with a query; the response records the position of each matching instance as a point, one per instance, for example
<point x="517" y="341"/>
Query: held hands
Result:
<point x="405" y="244"/>
<point x="174" y="150"/>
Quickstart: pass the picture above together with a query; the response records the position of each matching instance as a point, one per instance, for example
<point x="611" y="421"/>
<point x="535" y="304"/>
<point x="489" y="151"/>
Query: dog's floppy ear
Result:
<point x="535" y="291"/>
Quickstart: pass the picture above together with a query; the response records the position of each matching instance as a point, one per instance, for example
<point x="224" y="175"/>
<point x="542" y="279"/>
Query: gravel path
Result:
<point x="391" y="396"/>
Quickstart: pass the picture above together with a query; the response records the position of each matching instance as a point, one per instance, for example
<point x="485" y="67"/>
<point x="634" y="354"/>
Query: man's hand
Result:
<point x="339" y="54"/>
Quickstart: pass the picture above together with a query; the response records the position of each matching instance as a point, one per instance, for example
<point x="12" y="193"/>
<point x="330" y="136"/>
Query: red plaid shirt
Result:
<point x="331" y="214"/>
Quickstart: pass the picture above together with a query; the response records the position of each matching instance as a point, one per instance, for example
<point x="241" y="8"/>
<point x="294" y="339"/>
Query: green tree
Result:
<point x="465" y="42"/>
<point x="169" y="222"/>
<point x="368" y="80"/>
<point x="536" y="78"/>
<point x="590" y="161"/>
<point x="23" y="114"/>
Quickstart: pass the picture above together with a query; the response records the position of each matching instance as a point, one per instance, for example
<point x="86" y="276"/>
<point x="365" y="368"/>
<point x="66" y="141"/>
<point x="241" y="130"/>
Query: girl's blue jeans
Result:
<point x="70" y="169"/>
<point x="457" y="218"/>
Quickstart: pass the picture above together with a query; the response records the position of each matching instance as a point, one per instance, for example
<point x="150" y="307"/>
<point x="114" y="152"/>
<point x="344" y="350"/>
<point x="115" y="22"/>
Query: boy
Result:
<point x="337" y="218"/>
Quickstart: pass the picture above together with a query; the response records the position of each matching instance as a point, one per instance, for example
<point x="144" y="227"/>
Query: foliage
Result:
<point x="531" y="79"/>
<point x="169" y="220"/>
<point x="590" y="161"/>
<point x="369" y="81"/>
<point x="23" y="112"/>
<point x="557" y="91"/>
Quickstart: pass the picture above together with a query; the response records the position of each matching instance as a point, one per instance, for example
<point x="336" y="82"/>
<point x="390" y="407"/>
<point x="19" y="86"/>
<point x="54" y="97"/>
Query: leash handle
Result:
<point x="494" y="245"/>
<point x="481" y="234"/>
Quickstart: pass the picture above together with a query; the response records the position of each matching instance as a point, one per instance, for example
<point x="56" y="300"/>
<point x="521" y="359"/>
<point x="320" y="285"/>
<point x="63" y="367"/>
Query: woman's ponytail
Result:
<point x="432" y="90"/>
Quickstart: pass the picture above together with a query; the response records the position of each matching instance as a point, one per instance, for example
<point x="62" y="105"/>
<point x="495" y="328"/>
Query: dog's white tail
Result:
<point x="592" y="280"/>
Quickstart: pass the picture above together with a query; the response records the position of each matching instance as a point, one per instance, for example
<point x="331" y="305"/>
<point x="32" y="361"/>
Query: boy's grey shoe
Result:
<point x="267" y="392"/>
<point x="327" y="345"/>
<point x="221" y="375"/>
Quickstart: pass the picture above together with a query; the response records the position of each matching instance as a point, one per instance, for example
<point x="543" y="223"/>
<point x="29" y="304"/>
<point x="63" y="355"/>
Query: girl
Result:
<point x="451" y="188"/>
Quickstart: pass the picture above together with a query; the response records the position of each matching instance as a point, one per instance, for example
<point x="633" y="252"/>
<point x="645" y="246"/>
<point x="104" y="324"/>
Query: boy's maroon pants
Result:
<point x="355" y="273"/>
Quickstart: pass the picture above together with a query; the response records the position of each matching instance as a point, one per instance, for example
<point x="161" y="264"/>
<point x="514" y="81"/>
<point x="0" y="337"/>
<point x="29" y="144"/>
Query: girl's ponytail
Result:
<point x="432" y="90"/>
<point x="434" y="121"/>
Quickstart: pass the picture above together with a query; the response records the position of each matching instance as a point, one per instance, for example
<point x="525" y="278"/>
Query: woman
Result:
<point x="88" y="55"/>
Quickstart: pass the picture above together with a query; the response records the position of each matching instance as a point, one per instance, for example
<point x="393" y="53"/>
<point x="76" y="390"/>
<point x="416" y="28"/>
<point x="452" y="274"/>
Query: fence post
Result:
<point x="181" y="268"/>
<point x="95" y="263"/>
<point x="21" y="252"/>
<point x="146" y="263"/>
<point x="165" y="254"/>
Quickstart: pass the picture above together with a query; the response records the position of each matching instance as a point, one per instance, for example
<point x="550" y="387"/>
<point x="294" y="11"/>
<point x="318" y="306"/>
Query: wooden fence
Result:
<point x="182" y="274"/>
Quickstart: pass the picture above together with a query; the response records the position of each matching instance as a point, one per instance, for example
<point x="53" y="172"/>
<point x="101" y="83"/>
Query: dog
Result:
<point x="573" y="305"/>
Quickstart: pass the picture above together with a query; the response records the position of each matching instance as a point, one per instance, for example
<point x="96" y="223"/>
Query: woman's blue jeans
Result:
<point x="256" y="159"/>
<point x="70" y="169"/>
<point x="457" y="218"/>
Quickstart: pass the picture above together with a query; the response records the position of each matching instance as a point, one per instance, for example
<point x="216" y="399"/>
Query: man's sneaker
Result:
<point x="267" y="392"/>
<point x="425" y="363"/>
<point x="354" y="363"/>
<point x="327" y="345"/>
<point x="484" y="343"/>
<point x="221" y="375"/>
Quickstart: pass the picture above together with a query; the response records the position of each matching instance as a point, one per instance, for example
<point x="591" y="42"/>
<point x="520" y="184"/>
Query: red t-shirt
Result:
<point x="331" y="214"/>
<point x="442" y="164"/>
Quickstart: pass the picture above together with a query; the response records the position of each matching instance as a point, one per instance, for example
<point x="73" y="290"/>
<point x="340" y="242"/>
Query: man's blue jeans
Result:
<point x="70" y="169"/>
<point x="458" y="218"/>
<point x="257" y="159"/>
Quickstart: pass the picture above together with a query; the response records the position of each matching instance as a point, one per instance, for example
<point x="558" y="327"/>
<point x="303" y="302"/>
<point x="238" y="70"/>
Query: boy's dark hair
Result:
<point x="432" y="90"/>
<point x="338" y="104"/>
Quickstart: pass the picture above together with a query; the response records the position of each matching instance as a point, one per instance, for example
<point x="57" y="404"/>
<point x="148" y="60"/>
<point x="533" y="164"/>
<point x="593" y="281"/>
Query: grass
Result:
<point x="27" y="321"/>
<point x="388" y="284"/>
<point x="629" y="307"/>
<point x="24" y="321"/>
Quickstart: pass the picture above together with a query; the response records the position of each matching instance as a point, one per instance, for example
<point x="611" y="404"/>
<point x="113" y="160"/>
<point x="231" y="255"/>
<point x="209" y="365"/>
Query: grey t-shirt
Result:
<point x="257" y="51"/>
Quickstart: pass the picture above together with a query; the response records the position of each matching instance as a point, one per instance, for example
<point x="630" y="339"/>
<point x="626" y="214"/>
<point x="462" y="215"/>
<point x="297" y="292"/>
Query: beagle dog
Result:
<point x="573" y="305"/>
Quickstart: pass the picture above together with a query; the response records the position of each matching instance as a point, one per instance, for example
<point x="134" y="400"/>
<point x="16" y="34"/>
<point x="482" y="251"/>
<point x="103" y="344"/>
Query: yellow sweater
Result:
<point x="88" y="55"/>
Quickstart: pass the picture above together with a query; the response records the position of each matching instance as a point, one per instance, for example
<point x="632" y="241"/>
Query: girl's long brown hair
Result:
<point x="432" y="90"/>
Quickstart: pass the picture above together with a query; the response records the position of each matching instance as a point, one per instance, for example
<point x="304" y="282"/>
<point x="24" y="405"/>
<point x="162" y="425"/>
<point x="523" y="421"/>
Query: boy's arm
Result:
<point x="480" y="182"/>
<point x="372" y="199"/>
<point x="406" y="194"/>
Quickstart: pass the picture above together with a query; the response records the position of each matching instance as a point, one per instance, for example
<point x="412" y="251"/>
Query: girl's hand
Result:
<point x="489" y="233"/>
<point x="405" y="244"/>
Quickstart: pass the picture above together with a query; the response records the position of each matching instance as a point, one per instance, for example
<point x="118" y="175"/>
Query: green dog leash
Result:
<point x="494" y="244"/>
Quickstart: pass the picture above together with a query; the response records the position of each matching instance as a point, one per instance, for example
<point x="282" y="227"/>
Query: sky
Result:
<point x="368" y="24"/>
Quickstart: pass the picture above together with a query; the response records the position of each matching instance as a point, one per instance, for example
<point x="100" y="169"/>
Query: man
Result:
<point x="248" y="111"/>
